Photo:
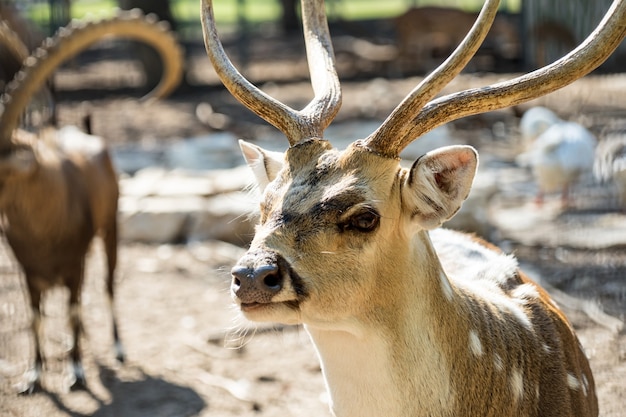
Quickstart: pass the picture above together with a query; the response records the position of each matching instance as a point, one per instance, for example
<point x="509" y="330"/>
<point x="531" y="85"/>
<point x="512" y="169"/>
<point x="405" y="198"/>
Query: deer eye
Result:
<point x="364" y="221"/>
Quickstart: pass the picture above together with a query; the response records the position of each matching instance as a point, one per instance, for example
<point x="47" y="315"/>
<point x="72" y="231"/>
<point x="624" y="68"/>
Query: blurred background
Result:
<point x="185" y="218"/>
<point x="552" y="27"/>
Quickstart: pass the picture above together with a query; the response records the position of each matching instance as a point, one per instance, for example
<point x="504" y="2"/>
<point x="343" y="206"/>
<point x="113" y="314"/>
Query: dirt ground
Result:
<point x="188" y="352"/>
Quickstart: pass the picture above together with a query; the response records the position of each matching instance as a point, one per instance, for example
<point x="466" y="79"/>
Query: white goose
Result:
<point x="558" y="153"/>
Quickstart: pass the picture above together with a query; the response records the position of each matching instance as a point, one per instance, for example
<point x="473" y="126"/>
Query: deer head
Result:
<point x="323" y="211"/>
<point x="343" y="242"/>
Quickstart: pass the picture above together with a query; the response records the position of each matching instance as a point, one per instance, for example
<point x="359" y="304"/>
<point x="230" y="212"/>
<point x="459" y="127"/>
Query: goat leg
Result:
<point x="109" y="237"/>
<point x="33" y="375"/>
<point x="119" y="348"/>
<point x="78" y="371"/>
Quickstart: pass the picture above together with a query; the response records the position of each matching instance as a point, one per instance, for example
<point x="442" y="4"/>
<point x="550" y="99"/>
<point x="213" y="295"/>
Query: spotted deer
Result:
<point x="407" y="319"/>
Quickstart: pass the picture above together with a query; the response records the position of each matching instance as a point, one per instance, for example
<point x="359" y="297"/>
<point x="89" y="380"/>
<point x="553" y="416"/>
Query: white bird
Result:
<point x="610" y="162"/>
<point x="535" y="121"/>
<point x="559" y="152"/>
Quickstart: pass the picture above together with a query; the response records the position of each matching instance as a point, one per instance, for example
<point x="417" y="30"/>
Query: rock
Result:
<point x="548" y="226"/>
<point x="155" y="219"/>
<point x="129" y="159"/>
<point x="163" y="182"/>
<point x="219" y="150"/>
<point x="161" y="206"/>
<point x="227" y="217"/>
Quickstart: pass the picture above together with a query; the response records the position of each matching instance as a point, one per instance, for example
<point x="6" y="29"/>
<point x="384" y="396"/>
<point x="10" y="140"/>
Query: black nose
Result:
<point x="256" y="284"/>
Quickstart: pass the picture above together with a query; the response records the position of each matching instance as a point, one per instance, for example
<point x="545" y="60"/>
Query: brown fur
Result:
<point x="484" y="340"/>
<point x="55" y="198"/>
<point x="59" y="189"/>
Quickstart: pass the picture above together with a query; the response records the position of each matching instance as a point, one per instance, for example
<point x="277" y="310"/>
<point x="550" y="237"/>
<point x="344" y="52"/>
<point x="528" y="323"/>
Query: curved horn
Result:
<point x="296" y="125"/>
<point x="77" y="37"/>
<point x="581" y="61"/>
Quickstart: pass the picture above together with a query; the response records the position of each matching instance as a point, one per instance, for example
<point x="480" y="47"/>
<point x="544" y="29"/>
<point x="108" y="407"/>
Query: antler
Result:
<point x="77" y="37"/>
<point x="309" y="122"/>
<point x="412" y="118"/>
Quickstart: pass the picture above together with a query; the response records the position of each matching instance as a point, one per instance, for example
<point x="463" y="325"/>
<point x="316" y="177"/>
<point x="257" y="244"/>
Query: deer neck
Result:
<point x="364" y="359"/>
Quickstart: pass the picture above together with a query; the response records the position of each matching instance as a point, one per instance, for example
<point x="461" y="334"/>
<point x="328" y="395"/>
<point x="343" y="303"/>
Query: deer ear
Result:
<point x="438" y="183"/>
<point x="264" y="164"/>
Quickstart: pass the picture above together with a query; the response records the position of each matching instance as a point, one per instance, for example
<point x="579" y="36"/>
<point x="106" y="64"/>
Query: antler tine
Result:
<point x="581" y="61"/>
<point x="391" y="137"/>
<point x="296" y="125"/>
<point x="278" y="114"/>
<point x="324" y="107"/>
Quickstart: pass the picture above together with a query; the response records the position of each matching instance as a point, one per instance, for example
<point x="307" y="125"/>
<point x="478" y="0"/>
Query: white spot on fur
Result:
<point x="519" y="313"/>
<point x="521" y="316"/>
<point x="479" y="271"/>
<point x="466" y="260"/>
<point x="585" y="384"/>
<point x="554" y="303"/>
<point x="445" y="287"/>
<point x="573" y="382"/>
<point x="517" y="385"/>
<point x="474" y="342"/>
<point x="497" y="362"/>
<point x="525" y="292"/>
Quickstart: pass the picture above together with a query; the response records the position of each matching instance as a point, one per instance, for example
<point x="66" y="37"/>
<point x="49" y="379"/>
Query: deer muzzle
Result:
<point x="257" y="277"/>
<point x="264" y="278"/>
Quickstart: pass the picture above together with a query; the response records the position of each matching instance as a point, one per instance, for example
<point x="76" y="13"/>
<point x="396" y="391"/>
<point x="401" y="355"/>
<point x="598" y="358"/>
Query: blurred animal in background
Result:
<point x="427" y="35"/>
<point x="610" y="164"/>
<point x="58" y="188"/>
<point x="552" y="40"/>
<point x="558" y="152"/>
<point x="535" y="121"/>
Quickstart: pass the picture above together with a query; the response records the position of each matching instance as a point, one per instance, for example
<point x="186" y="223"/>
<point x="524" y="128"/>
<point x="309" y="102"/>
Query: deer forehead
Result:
<point x="318" y="180"/>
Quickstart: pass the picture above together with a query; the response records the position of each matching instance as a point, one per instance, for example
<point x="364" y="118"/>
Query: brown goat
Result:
<point x="59" y="189"/>
<point x="54" y="200"/>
